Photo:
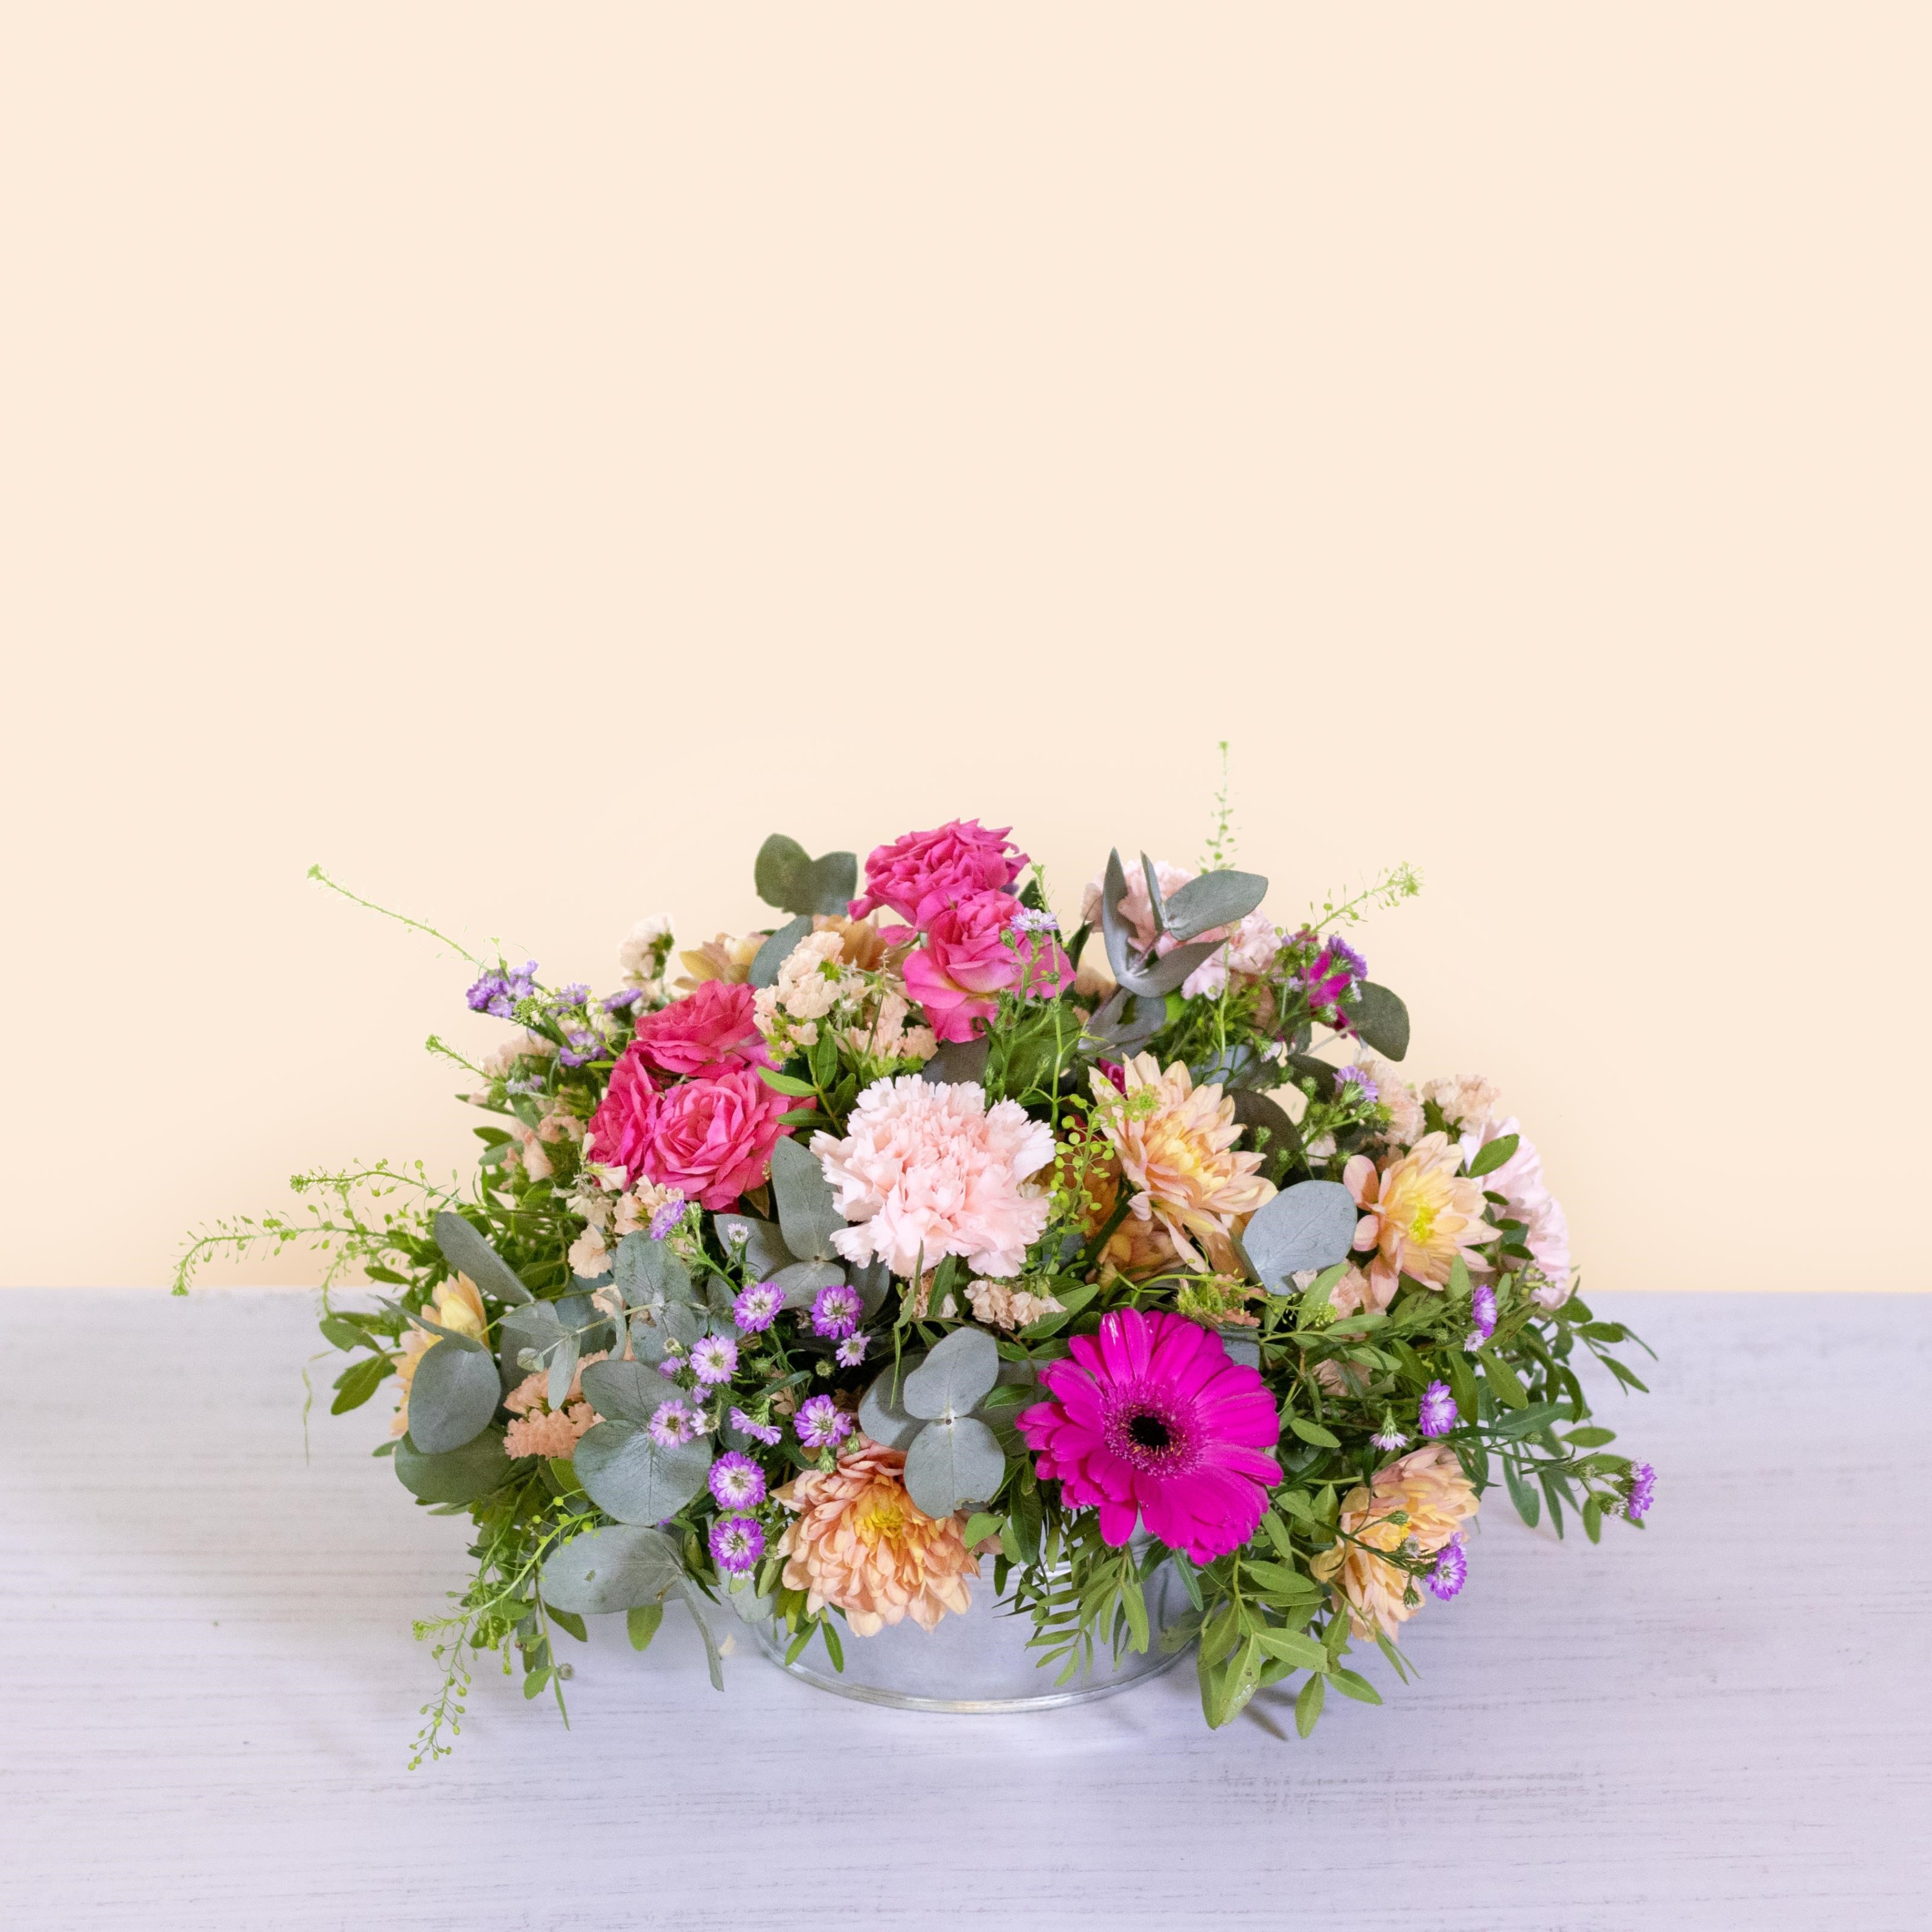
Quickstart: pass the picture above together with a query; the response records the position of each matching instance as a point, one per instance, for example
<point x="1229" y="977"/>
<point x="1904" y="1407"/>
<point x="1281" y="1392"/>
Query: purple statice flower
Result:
<point x="667" y="1218"/>
<point x="759" y="1431"/>
<point x="1389" y="1439"/>
<point x="583" y="1049"/>
<point x="1353" y="1076"/>
<point x="737" y="1482"/>
<point x="486" y="996"/>
<point x="835" y="1311"/>
<point x="757" y="1307"/>
<point x="622" y="1003"/>
<point x="675" y="1421"/>
<point x="1028" y="920"/>
<point x="715" y="1359"/>
<point x="1437" y="1414"/>
<point x="1642" y="1493"/>
<point x="1483" y="1306"/>
<point x="737" y="1542"/>
<point x="851" y="1351"/>
<point x="572" y="995"/>
<point x="1450" y="1573"/>
<point x="821" y="1424"/>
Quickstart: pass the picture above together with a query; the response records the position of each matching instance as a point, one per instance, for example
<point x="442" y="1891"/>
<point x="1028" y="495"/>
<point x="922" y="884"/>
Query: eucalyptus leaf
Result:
<point x="1309" y="1226"/>
<point x="613" y="1568"/>
<point x="1126" y="1023"/>
<point x="1381" y="1019"/>
<point x="1113" y="921"/>
<point x="1214" y="899"/>
<point x="1241" y="1346"/>
<point x="453" y="1396"/>
<point x="887" y="1423"/>
<point x="623" y="1391"/>
<point x="1155" y="904"/>
<point x="786" y="878"/>
<point x="952" y="1463"/>
<point x="682" y="1323"/>
<point x="562" y="1369"/>
<point x="535" y="1328"/>
<point x="714" y="1658"/>
<point x="807" y="1212"/>
<point x="459" y="1476"/>
<point x="958" y="1062"/>
<point x="800" y="1283"/>
<point x="1256" y="1110"/>
<point x="648" y="1339"/>
<point x="1234" y="1070"/>
<point x="763" y="1249"/>
<point x="468" y="1252"/>
<point x="875" y="1282"/>
<point x="1163" y="975"/>
<point x="777" y="950"/>
<point x="649" y="1273"/>
<point x="956" y="1376"/>
<point x="629" y="1476"/>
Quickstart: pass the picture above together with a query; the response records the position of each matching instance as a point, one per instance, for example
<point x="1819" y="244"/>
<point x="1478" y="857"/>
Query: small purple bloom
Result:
<point x="675" y="1421"/>
<point x="573" y="995"/>
<point x="737" y="1481"/>
<point x="1483" y="1306"/>
<point x="835" y="1311"/>
<point x="737" y="1542"/>
<point x="715" y="1359"/>
<point x="851" y="1351"/>
<point x="757" y="1307"/>
<point x="1028" y="920"/>
<point x="821" y="1424"/>
<point x="1450" y="1573"/>
<point x="583" y="1049"/>
<point x="1439" y="1413"/>
<point x="1341" y="953"/>
<point x="486" y="996"/>
<point x="670" y="1365"/>
<point x="1353" y="1076"/>
<point x="667" y="1218"/>
<point x="758" y="1432"/>
<point x="1390" y="1439"/>
<point x="1642" y="1493"/>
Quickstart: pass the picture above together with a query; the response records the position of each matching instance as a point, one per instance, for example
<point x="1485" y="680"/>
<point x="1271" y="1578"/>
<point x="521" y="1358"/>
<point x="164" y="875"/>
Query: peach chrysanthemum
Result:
<point x="455" y="1305"/>
<point x="1418" y="1214"/>
<point x="930" y="1169"/>
<point x="1429" y="1487"/>
<point x="1175" y="1143"/>
<point x="860" y="1543"/>
<point x="538" y="1430"/>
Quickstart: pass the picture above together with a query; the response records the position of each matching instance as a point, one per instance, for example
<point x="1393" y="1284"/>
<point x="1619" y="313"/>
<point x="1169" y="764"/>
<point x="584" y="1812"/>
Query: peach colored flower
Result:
<point x="1418" y="1213"/>
<point x="724" y="958"/>
<point x="1407" y="1121"/>
<point x="456" y="1306"/>
<point x="1001" y="1305"/>
<point x="1467" y="1101"/>
<point x="1176" y="1149"/>
<point x="1428" y="1487"/>
<point x="538" y="1430"/>
<point x="860" y="1543"/>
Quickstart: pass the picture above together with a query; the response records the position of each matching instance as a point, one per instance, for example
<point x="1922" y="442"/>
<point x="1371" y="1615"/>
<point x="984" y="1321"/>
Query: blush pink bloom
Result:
<point x="709" y="1139"/>
<point x="968" y="960"/>
<point x="1149" y="1418"/>
<point x="706" y="1033"/>
<point x="960" y="858"/>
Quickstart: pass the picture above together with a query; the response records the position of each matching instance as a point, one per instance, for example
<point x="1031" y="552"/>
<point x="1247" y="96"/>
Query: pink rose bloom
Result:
<point x="712" y="1030"/>
<point x="710" y="1138"/>
<point x="959" y="858"/>
<point x="967" y="961"/>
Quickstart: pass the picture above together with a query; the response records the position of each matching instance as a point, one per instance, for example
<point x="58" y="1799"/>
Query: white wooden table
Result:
<point x="211" y="1689"/>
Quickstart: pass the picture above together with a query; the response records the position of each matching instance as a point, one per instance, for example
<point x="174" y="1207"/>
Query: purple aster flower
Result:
<point x="1341" y="953"/>
<point x="821" y="1424"/>
<point x="1642" y="1493"/>
<point x="667" y="1217"/>
<point x="851" y="1351"/>
<point x="486" y="996"/>
<point x="715" y="1359"/>
<point x="1389" y="1439"/>
<point x="676" y="1421"/>
<point x="759" y="1431"/>
<point x="622" y="1003"/>
<point x="1450" y="1573"/>
<point x="757" y="1307"/>
<point x="1439" y="1413"/>
<point x="671" y="1365"/>
<point x="572" y="995"/>
<point x="835" y="1311"/>
<point x="737" y="1542"/>
<point x="1028" y="920"/>
<point x="737" y="1482"/>
<point x="1353" y="1076"/>
<point x="1483" y="1306"/>
<point x="583" y="1049"/>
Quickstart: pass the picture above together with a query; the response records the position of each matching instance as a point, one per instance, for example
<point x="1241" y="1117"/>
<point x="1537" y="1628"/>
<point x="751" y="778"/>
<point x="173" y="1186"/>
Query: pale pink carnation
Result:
<point x="1407" y="1121"/>
<point x="929" y="1170"/>
<point x="1251" y="949"/>
<point x="1519" y="1181"/>
<point x="1467" y="1101"/>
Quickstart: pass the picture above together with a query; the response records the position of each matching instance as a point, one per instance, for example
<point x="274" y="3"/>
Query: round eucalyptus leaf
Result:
<point x="883" y="1419"/>
<point x="535" y="1328"/>
<point x="956" y="1375"/>
<point x="629" y="1476"/>
<point x="800" y="1283"/>
<point x="467" y="1252"/>
<point x="649" y="1272"/>
<point x="622" y="1391"/>
<point x="1381" y="1019"/>
<point x="762" y="1247"/>
<point x="464" y="1475"/>
<point x="777" y="950"/>
<point x="1309" y="1226"/>
<point x="807" y="1212"/>
<point x="951" y="1464"/>
<point x="453" y="1396"/>
<point x="1213" y="899"/>
<point x="958" y="1062"/>
<point x="611" y="1569"/>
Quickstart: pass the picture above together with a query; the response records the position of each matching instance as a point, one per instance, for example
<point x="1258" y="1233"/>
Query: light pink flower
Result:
<point x="1418" y="1212"/>
<point x="967" y="960"/>
<point x="927" y="1169"/>
<point x="1520" y="1181"/>
<point x="962" y="857"/>
<point x="706" y="1033"/>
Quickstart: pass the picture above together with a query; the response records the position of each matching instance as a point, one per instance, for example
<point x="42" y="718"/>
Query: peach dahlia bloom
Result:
<point x="1175" y="1143"/>
<point x="1418" y="1214"/>
<point x="860" y="1543"/>
<point x="1429" y="1487"/>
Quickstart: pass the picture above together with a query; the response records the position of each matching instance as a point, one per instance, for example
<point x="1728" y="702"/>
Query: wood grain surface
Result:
<point x="1724" y="1721"/>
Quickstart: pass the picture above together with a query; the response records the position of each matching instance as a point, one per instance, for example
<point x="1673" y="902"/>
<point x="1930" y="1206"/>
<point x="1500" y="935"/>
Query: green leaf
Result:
<point x="787" y="1083"/>
<point x="610" y="1569"/>
<point x="1522" y="1423"/>
<point x="954" y="1378"/>
<point x="629" y="1477"/>
<point x="568" y="1621"/>
<point x="1308" y="1706"/>
<point x="1213" y="899"/>
<point x="1309" y="1226"/>
<point x="952" y="1463"/>
<point x="1492" y="1153"/>
<point x="453" y="1396"/>
<point x="979" y="1527"/>
<point x="1589" y="1439"/>
<point x="1504" y="1382"/>
<point x="807" y="1212"/>
<point x="1312" y="1431"/>
<point x="1135" y="1604"/>
<point x="786" y="878"/>
<point x="1381" y="1019"/>
<point x="641" y="1623"/>
<point x="462" y="1476"/>
<point x="468" y="1253"/>
<point x="1521" y="1494"/>
<point x="341" y="1334"/>
<point x="534" y="1683"/>
<point x="1352" y="1684"/>
<point x="1593" y="1517"/>
<point x="358" y="1382"/>
<point x="777" y="950"/>
<point x="1293" y="1647"/>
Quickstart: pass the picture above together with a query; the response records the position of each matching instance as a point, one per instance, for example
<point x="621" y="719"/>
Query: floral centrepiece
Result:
<point x="823" y="1269"/>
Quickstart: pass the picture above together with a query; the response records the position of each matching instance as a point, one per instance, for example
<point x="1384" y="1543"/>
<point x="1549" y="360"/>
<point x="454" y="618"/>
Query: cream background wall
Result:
<point x="520" y="457"/>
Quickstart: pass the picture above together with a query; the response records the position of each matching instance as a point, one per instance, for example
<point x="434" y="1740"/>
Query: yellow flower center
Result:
<point x="880" y="1516"/>
<point x="1423" y="1223"/>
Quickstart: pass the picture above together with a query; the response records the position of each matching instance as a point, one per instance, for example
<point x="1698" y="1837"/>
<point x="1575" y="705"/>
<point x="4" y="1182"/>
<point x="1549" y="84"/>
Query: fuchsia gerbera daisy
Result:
<point x="1151" y="1418"/>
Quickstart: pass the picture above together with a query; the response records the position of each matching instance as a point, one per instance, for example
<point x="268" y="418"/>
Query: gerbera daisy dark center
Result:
<point x="1150" y="1432"/>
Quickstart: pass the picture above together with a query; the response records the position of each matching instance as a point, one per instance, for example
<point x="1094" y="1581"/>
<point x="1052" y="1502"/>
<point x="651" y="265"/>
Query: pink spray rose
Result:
<point x="961" y="858"/>
<point x="967" y="960"/>
<point x="710" y="1138"/>
<point x="713" y="1030"/>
